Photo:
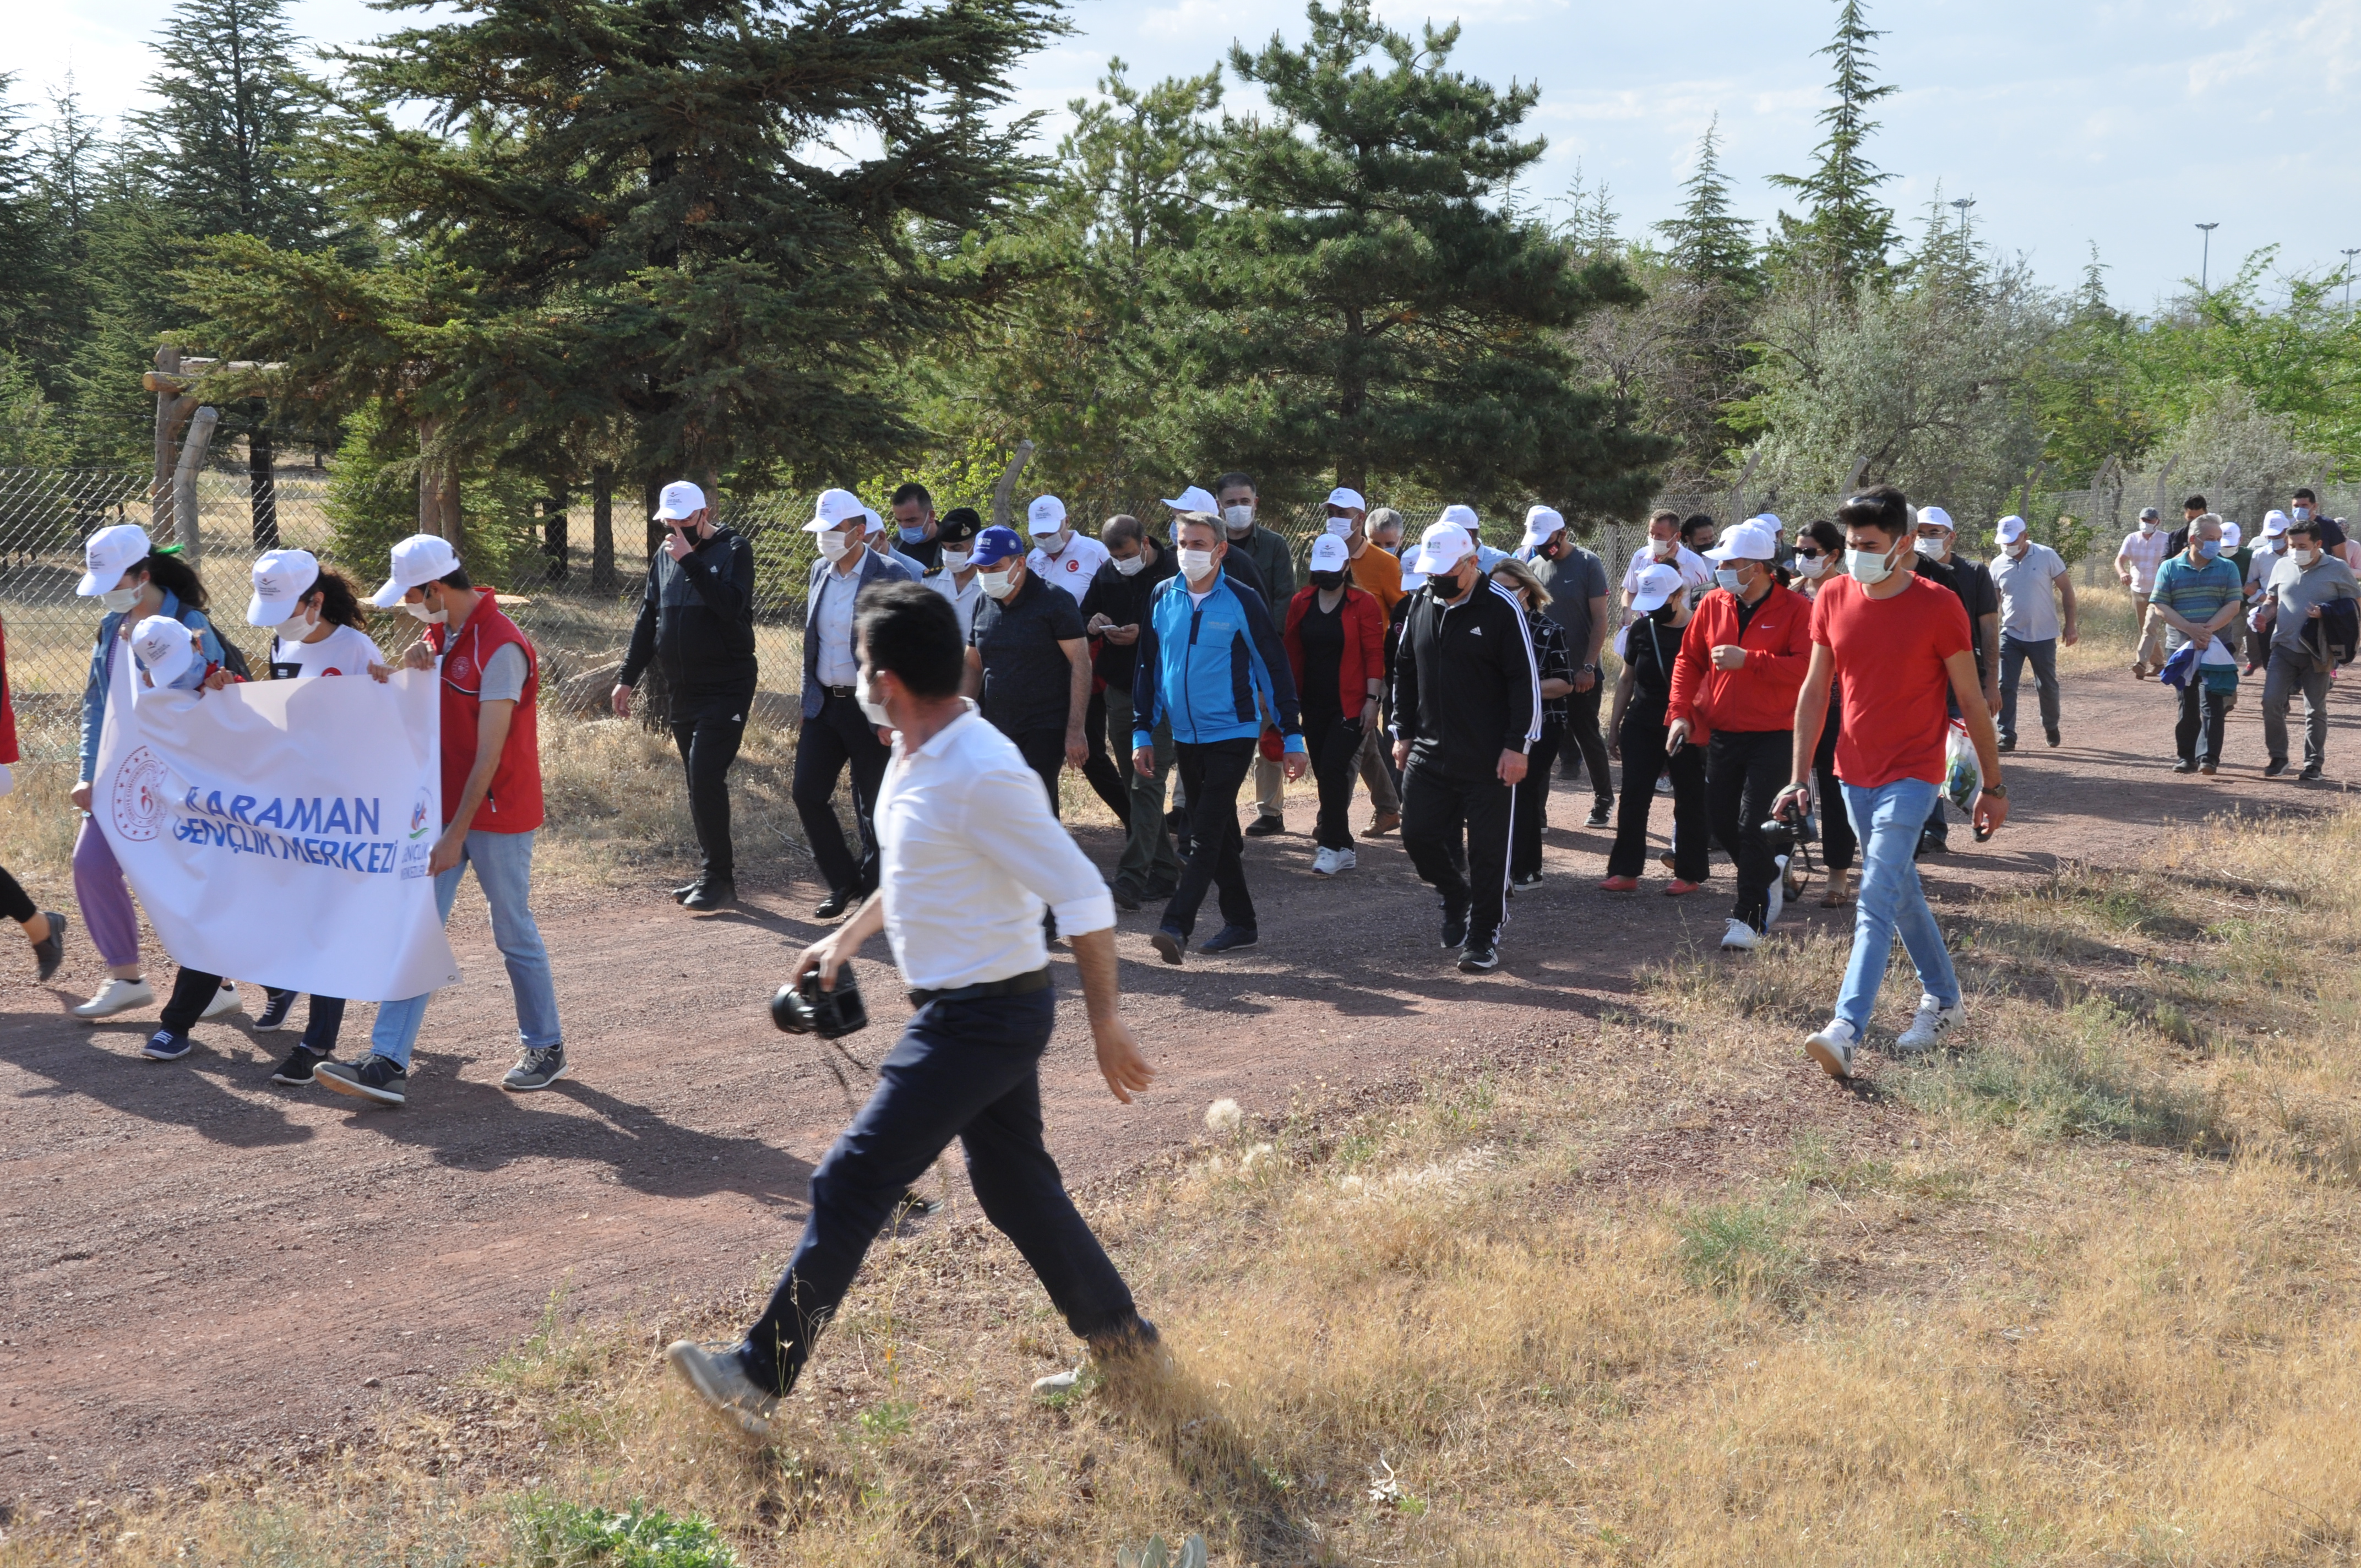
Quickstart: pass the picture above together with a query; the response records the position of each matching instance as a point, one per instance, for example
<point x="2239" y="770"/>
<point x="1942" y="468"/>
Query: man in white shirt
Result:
<point x="955" y="577"/>
<point x="2036" y="612"/>
<point x="971" y="857"/>
<point x="1665" y="545"/>
<point x="2142" y="552"/>
<point x="1061" y="556"/>
<point x="2261" y="561"/>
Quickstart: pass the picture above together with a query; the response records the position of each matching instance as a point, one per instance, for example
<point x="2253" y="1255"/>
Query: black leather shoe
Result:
<point x="2008" y="742"/>
<point x="1124" y="898"/>
<point x="711" y="894"/>
<point x="1265" y="825"/>
<point x="834" y="904"/>
<point x="680" y="894"/>
<point x="1168" y="944"/>
<point x="2186" y="765"/>
<point x="1157" y="892"/>
<point x="2051" y="736"/>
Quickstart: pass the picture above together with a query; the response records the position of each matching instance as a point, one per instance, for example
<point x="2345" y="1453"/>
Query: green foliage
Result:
<point x="1158" y="1554"/>
<point x="2072" y="1082"/>
<point x="30" y="433"/>
<point x="554" y="1534"/>
<point x="1845" y="232"/>
<point x="1739" y="1248"/>
<point x="372" y="503"/>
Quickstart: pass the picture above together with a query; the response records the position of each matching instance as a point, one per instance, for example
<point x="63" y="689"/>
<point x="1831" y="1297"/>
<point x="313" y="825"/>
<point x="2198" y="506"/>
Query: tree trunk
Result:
<point x="553" y="539"/>
<point x="655" y="703"/>
<point x="262" y="485"/>
<point x="602" y="528"/>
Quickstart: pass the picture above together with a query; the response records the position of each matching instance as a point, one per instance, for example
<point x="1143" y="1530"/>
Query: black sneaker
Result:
<point x="538" y="1068"/>
<point x="1168" y="944"/>
<point x="2186" y="765"/>
<point x="276" y="1005"/>
<point x="1455" y="927"/>
<point x="2311" y="771"/>
<point x="165" y="1046"/>
<point x="299" y="1065"/>
<point x="376" y="1079"/>
<point x="1526" y="883"/>
<point x="2271" y="770"/>
<point x="711" y="894"/>
<point x="50" y="950"/>
<point x="2008" y="742"/>
<point x="683" y="891"/>
<point x="1600" y="814"/>
<point x="1183" y="848"/>
<point x="2050" y="736"/>
<point x="1479" y="957"/>
<point x="1266" y="826"/>
<point x="1230" y="936"/>
<point x="1124" y="898"/>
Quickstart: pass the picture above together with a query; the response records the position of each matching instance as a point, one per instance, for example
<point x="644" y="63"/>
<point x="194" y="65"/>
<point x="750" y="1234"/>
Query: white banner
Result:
<point x="279" y="831"/>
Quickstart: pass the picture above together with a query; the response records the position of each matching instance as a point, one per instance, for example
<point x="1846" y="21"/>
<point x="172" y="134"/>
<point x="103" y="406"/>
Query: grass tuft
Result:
<point x="1740" y="1249"/>
<point x="2069" y="1081"/>
<point x="556" y="1534"/>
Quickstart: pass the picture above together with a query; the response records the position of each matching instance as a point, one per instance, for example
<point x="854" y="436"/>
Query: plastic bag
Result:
<point x="1963" y="777"/>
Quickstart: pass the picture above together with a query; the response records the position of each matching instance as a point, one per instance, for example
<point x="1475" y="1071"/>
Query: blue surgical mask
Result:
<point x="2208" y="548"/>
<point x="1726" y="577"/>
<point x="912" y="536"/>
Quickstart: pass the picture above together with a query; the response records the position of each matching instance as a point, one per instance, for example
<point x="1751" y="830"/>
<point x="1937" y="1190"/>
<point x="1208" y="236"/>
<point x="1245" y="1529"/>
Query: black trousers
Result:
<point x="840" y="735"/>
<point x="1100" y="770"/>
<point x="2198" y="736"/>
<point x="1531" y="808"/>
<point x="1212" y="771"/>
<point x="1044" y="751"/>
<point x="1334" y="744"/>
<point x="1451" y="823"/>
<point x="709" y="744"/>
<point x="969" y="1071"/>
<point x="1744" y="772"/>
<point x="15" y="902"/>
<point x="322" y="1022"/>
<point x="1583" y="746"/>
<point x="1644" y="762"/>
<point x="1838" y="847"/>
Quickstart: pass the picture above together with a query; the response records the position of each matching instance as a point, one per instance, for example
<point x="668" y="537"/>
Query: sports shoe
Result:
<point x="1676" y="888"/>
<point x="2207" y="770"/>
<point x="1157" y="892"/>
<point x="1737" y="936"/>
<point x="1384" y="823"/>
<point x="2311" y="771"/>
<point x="2051" y="735"/>
<point x="2008" y="743"/>
<point x="1124" y="898"/>
<point x="1168" y="944"/>
<point x="1932" y="1021"/>
<point x="2275" y="767"/>
<point x="711" y="894"/>
<point x="1778" y="893"/>
<point x="1454" y="928"/>
<point x="276" y="1005"/>
<point x="1527" y="883"/>
<point x="1620" y="884"/>
<point x="117" y="996"/>
<point x="1348" y="859"/>
<point x="2186" y="765"/>
<point x="225" y="1000"/>
<point x="1664" y="783"/>
<point x="376" y="1079"/>
<point x="719" y="1378"/>
<point x="1324" y="863"/>
<point x="539" y="1067"/>
<point x="684" y="889"/>
<point x="1479" y="957"/>
<point x="1057" y="1382"/>
<point x="1266" y="826"/>
<point x="165" y="1046"/>
<point x="50" y="950"/>
<point x="1832" y="1047"/>
<point x="301" y="1064"/>
<point x="1228" y="937"/>
<point x="1599" y="814"/>
<point x="1135" y="1344"/>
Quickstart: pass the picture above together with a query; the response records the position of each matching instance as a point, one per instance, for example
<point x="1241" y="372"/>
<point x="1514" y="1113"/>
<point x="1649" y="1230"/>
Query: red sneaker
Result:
<point x="1620" y="884"/>
<point x="1676" y="887"/>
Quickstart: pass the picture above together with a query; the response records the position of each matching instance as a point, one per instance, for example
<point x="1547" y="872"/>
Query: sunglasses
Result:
<point x="1807" y="554"/>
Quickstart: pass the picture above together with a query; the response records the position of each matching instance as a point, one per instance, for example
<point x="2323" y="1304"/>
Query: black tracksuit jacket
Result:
<point x="1465" y="685"/>
<point x="696" y="617"/>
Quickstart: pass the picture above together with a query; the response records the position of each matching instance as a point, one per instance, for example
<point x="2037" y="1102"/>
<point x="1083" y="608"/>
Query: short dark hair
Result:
<point x="456" y="578"/>
<point x="1663" y="514"/>
<point x="1825" y="534"/>
<point x="911" y="630"/>
<point x="912" y="491"/>
<point x="1235" y="479"/>
<point x="1880" y="507"/>
<point x="2303" y="495"/>
<point x="1695" y="521"/>
<point x="960" y="522"/>
<point x="1121" y="528"/>
<point x="2195" y="503"/>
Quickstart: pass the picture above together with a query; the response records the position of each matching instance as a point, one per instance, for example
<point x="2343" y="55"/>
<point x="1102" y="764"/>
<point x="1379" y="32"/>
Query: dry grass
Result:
<point x="2088" y="1289"/>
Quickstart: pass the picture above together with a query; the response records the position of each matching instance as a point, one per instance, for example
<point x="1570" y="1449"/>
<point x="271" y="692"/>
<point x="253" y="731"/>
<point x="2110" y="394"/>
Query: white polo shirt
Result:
<point x="1696" y="570"/>
<point x="1073" y="570"/>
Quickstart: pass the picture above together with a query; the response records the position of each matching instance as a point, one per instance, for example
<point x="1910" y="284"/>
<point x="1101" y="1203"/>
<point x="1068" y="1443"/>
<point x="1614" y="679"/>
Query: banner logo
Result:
<point x="138" y="796"/>
<point x="421" y="813"/>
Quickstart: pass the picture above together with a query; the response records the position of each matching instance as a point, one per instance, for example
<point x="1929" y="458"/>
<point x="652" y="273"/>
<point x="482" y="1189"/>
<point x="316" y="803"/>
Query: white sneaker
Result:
<point x="721" y="1382"/>
<point x="1832" y="1047"/>
<point x="1345" y="861"/>
<point x="225" y="1000"/>
<point x="1932" y="1022"/>
<point x="117" y="996"/>
<point x="1324" y="863"/>
<point x="1778" y="894"/>
<point x="1739" y="935"/>
<point x="1057" y="1382"/>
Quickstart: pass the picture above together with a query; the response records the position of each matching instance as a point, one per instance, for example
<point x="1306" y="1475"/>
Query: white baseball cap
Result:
<point x="1329" y="555"/>
<point x="1540" y="523"/>
<point x="1046" y="515"/>
<point x="1412" y="581"/>
<point x="1196" y="498"/>
<point x="418" y="560"/>
<point x="108" y="554"/>
<point x="282" y="579"/>
<point x="1464" y="516"/>
<point x="1442" y="547"/>
<point x="1936" y="517"/>
<point x="166" y="648"/>
<point x="680" y="500"/>
<point x="2231" y="535"/>
<point x="1655" y="588"/>
<point x="1772" y="519"/>
<point x="2274" y="524"/>
<point x="2010" y="530"/>
<point x="835" y="509"/>
<point x="1349" y="499"/>
<point x="1750" y="540"/>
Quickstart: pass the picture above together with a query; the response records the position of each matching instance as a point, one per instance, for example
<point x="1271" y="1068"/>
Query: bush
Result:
<point x="568" y="1535"/>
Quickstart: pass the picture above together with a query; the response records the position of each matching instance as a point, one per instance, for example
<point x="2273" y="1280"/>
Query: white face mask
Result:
<point x="996" y="584"/>
<point x="1342" y="527"/>
<point x="2147" y="525"/>
<point x="833" y="546"/>
<point x="1133" y="566"/>
<point x="1726" y="577"/>
<point x="957" y="560"/>
<point x="2018" y="551"/>
<point x="1663" y="549"/>
<point x="2302" y="514"/>
<point x="119" y="599"/>
<point x="1053" y="544"/>
<point x="294" y="628"/>
<point x="872" y="709"/>
<point x="1197" y="565"/>
<point x="1810" y="565"/>
<point x="1936" y="546"/>
<point x="2305" y="557"/>
<point x="431" y="617"/>
<point x="1869" y="567"/>
<point x="1237" y="520"/>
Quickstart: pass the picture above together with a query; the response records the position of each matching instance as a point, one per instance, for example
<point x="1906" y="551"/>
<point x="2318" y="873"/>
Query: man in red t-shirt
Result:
<point x="1899" y="644"/>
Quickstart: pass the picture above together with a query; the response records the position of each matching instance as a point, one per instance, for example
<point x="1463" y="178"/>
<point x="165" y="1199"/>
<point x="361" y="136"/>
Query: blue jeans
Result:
<point x="968" y="1070"/>
<point x="503" y="863"/>
<point x="1887" y="819"/>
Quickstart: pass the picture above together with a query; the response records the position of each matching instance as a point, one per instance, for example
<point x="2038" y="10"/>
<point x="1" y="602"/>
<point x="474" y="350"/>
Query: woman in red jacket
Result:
<point x="44" y="929"/>
<point x="1336" y="637"/>
<point x="1743" y="661"/>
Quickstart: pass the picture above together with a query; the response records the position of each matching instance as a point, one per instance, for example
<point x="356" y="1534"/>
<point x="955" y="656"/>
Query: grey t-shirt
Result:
<point x="2298" y="590"/>
<point x="1573" y="579"/>
<point x="2028" y="603"/>
<point x="504" y="675"/>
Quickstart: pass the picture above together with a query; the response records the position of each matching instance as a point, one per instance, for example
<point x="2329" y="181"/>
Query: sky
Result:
<point x="2122" y="122"/>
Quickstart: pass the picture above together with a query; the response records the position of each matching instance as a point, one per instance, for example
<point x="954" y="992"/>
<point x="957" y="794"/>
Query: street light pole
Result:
<point x="2348" y="275"/>
<point x="1960" y="206"/>
<point x="2204" y="266"/>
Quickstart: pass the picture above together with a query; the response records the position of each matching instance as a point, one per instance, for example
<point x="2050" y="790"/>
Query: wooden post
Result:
<point x="1007" y="485"/>
<point x="185" y="481"/>
<point x="602" y="528"/>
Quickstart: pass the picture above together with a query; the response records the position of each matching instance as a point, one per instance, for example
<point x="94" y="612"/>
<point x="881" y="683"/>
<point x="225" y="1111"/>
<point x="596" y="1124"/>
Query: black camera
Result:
<point x="1785" y="831"/>
<point x="803" y="1008"/>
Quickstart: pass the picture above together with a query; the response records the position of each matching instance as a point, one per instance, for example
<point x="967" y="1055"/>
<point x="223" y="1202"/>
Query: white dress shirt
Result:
<point x="971" y="852"/>
<point x="963" y="599"/>
<point x="1073" y="570"/>
<point x="838" y="587"/>
<point x="1695" y="569"/>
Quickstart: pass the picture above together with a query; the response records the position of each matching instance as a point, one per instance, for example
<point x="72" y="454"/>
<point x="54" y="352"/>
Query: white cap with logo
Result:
<point x="2274" y="524"/>
<point x="1329" y="555"/>
<point x="110" y="553"/>
<point x="680" y="500"/>
<point x="1348" y="499"/>
<point x="1655" y="588"/>
<point x="282" y="579"/>
<point x="166" y="648"/>
<point x="1750" y="540"/>
<point x="1196" y="498"/>
<point x="2231" y="535"/>
<point x="835" y="509"/>
<point x="1046" y="515"/>
<point x="2010" y="530"/>
<point x="1936" y="517"/>
<point x="420" y="559"/>
<point x="1540" y="523"/>
<point x="1442" y="547"/>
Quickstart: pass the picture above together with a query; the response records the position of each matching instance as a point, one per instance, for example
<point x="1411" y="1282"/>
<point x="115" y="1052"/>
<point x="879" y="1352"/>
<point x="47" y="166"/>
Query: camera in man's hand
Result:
<point x="1791" y="824"/>
<point x="802" y="1007"/>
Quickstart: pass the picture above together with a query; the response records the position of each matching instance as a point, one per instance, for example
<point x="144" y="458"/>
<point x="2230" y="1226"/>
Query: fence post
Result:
<point x="184" y="480"/>
<point x="262" y="481"/>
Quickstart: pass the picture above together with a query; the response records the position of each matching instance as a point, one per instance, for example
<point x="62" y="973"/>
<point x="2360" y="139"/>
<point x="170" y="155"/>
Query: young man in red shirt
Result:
<point x="1898" y="643"/>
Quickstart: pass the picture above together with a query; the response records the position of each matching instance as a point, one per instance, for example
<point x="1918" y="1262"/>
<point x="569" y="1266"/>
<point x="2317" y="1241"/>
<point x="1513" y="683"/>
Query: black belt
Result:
<point x="1015" y="985"/>
<point x="843" y="692"/>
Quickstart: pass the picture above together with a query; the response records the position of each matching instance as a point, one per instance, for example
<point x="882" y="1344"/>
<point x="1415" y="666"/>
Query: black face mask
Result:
<point x="1327" y="580"/>
<point x="1662" y="615"/>
<point x="1553" y="550"/>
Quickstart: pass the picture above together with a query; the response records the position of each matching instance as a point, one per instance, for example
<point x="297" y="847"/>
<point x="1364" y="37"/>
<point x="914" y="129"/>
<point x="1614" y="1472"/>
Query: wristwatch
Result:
<point x="1998" y="789"/>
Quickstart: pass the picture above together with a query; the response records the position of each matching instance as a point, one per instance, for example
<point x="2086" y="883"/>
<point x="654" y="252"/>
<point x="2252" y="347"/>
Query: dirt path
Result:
<point x="198" y="1270"/>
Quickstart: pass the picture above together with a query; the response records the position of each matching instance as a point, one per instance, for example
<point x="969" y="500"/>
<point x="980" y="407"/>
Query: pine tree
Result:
<point x="27" y="261"/>
<point x="224" y="146"/>
<point x="1846" y="231"/>
<point x="1360" y="305"/>
<point x="1707" y="241"/>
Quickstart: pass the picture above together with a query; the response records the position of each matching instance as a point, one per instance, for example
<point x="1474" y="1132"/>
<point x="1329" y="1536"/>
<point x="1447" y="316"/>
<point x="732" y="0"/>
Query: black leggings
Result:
<point x="15" y="902"/>
<point x="194" y="990"/>
<point x="1334" y="744"/>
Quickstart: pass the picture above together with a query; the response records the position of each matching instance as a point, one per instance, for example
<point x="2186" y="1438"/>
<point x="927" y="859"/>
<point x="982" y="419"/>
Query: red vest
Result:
<point x="513" y="802"/>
